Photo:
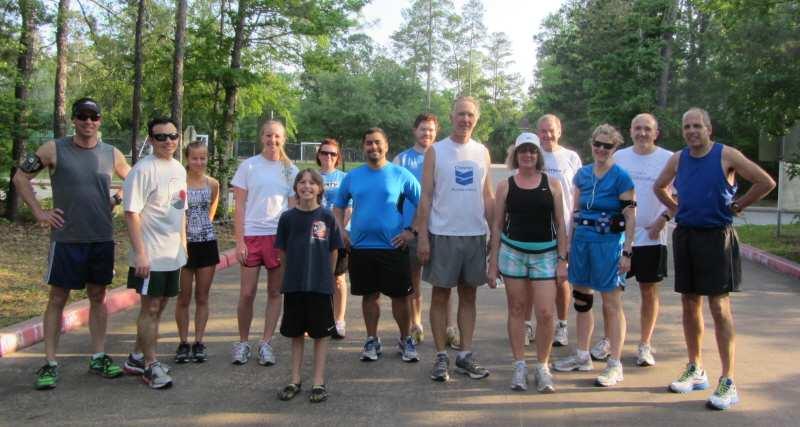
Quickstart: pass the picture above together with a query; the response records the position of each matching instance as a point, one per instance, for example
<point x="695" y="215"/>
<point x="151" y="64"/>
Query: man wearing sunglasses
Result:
<point x="155" y="204"/>
<point x="81" y="238"/>
<point x="705" y="247"/>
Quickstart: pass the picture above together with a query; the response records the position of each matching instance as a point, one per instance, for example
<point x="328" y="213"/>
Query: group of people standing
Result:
<point x="555" y="231"/>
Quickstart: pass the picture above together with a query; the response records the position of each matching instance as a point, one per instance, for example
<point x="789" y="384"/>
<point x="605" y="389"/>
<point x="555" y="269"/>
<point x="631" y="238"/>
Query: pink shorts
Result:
<point x="261" y="251"/>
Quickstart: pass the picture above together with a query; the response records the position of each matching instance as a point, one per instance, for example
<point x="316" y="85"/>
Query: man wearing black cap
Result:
<point x="81" y="238"/>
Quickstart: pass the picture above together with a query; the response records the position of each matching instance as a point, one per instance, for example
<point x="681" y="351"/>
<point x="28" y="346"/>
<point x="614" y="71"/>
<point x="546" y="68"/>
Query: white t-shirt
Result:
<point x="269" y="186"/>
<point x="644" y="169"/>
<point x="562" y="165"/>
<point x="156" y="190"/>
<point x="459" y="178"/>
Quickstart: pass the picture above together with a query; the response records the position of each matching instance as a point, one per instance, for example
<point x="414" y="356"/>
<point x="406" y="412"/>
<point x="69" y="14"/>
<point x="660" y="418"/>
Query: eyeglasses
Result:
<point x="328" y="153"/>
<point x="599" y="144"/>
<point x="84" y="117"/>
<point x="161" y="137"/>
<point x="527" y="148"/>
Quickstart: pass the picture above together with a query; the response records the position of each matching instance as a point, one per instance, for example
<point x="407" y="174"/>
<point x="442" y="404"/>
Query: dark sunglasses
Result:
<point x="527" y="148"/>
<point x="85" y="117"/>
<point x="161" y="137"/>
<point x="607" y="145"/>
<point x="328" y="153"/>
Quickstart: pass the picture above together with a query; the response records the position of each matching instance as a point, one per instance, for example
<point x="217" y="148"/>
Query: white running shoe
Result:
<point x="560" y="338"/>
<point x="265" y="355"/>
<point x="610" y="376"/>
<point x="529" y="333"/>
<point x="692" y="378"/>
<point x="544" y="380"/>
<point x="724" y="396"/>
<point x="519" y="379"/>
<point x="573" y="363"/>
<point x="240" y="353"/>
<point x="645" y="355"/>
<point x="601" y="350"/>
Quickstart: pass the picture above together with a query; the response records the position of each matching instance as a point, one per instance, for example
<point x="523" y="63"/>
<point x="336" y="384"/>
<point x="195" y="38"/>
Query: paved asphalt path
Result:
<point x="390" y="392"/>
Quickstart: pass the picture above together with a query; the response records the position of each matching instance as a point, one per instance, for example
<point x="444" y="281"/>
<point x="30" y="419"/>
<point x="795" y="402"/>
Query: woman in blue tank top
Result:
<point x="528" y="248"/>
<point x="329" y="158"/>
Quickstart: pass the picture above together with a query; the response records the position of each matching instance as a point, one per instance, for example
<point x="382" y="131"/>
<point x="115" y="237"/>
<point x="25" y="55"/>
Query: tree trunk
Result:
<point x="22" y="111"/>
<point x="136" y="108"/>
<point x="60" y="102"/>
<point x="666" y="54"/>
<point x="177" y="71"/>
<point x="225" y="153"/>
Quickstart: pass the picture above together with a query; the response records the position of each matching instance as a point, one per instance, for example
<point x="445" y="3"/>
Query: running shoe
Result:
<point x="46" y="377"/>
<point x="544" y="380"/>
<point x="183" y="353"/>
<point x="156" y="377"/>
<point x="134" y="366"/>
<point x="560" y="338"/>
<point x="408" y="350"/>
<point x="372" y="350"/>
<point x="645" y="355"/>
<point x="610" y="376"/>
<point x="240" y="353"/>
<point x="724" y="396"/>
<point x="265" y="355"/>
<point x="573" y="363"/>
<point x="467" y="365"/>
<point x="104" y="366"/>
<point x="519" y="379"/>
<point x="339" y="332"/>
<point x="601" y="350"/>
<point x="418" y="333"/>
<point x="453" y="338"/>
<point x="440" y="368"/>
<point x="199" y="352"/>
<point x="529" y="333"/>
<point x="692" y="378"/>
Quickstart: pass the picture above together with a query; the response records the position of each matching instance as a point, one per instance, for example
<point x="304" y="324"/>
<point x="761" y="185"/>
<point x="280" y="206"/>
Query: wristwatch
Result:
<point x="414" y="232"/>
<point x="627" y="254"/>
<point x="735" y="208"/>
<point x="562" y="258"/>
<point x="117" y="199"/>
<point x="666" y="216"/>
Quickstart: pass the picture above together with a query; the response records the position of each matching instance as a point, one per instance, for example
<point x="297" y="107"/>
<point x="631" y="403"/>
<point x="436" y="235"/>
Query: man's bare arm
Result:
<point x="661" y="186"/>
<point x="749" y="170"/>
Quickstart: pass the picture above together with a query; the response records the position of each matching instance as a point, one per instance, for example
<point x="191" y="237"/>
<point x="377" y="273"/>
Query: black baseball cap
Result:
<point x="85" y="104"/>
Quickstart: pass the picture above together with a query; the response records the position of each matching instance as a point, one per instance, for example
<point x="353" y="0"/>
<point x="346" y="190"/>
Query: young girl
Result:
<point x="308" y="240"/>
<point x="203" y="196"/>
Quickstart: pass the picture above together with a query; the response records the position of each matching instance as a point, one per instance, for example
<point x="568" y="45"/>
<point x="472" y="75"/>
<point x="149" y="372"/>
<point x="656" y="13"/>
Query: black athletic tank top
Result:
<point x="529" y="213"/>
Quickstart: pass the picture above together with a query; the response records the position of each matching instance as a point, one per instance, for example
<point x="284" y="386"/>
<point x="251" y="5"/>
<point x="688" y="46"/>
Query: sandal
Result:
<point x="289" y="392"/>
<point x="318" y="394"/>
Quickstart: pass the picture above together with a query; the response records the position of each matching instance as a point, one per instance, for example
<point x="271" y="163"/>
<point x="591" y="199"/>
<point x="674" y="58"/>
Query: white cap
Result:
<point x="527" y="138"/>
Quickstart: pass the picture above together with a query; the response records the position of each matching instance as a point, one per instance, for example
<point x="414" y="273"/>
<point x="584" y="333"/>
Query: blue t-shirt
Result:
<point x="412" y="160"/>
<point x="377" y="197"/>
<point x="599" y="196"/>
<point x="333" y="180"/>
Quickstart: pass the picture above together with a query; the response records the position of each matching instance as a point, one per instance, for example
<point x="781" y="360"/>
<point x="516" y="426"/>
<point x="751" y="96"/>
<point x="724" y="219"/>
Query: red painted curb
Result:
<point x="27" y="333"/>
<point x="773" y="262"/>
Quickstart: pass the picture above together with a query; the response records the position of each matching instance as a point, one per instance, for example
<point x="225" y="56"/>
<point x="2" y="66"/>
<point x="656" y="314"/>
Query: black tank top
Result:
<point x="529" y="213"/>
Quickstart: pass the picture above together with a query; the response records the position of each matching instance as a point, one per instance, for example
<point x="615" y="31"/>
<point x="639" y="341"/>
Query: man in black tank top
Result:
<point x="82" y="242"/>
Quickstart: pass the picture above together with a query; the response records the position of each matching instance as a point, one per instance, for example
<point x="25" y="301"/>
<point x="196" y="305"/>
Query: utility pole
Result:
<point x="430" y="51"/>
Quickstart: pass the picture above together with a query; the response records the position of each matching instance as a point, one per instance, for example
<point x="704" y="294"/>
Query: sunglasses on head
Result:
<point x="84" y="117"/>
<point x="161" y="137"/>
<point x="328" y="153"/>
<point x="599" y="144"/>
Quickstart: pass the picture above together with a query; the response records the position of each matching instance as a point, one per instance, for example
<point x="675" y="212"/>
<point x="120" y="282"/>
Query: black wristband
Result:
<point x="627" y="254"/>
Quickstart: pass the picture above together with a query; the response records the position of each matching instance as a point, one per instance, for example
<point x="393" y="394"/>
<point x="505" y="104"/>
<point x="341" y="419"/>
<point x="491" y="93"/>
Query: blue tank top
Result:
<point x="704" y="193"/>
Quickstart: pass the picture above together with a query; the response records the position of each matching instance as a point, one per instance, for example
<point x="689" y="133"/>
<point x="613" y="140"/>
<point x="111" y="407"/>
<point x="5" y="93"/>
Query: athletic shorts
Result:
<point x="706" y="260"/>
<point x="456" y="261"/>
<point x="73" y="265"/>
<point x="380" y="270"/>
<point x="516" y="264"/>
<point x="342" y="257"/>
<point x="649" y="263"/>
<point x="307" y="312"/>
<point x="595" y="265"/>
<point x="261" y="251"/>
<point x="157" y="284"/>
<point x="202" y="254"/>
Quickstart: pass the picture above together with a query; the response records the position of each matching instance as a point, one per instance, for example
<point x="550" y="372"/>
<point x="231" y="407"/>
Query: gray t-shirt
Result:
<point x="308" y="238"/>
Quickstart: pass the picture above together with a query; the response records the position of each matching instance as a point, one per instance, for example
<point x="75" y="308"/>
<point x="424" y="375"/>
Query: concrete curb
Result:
<point x="773" y="262"/>
<point x="27" y="333"/>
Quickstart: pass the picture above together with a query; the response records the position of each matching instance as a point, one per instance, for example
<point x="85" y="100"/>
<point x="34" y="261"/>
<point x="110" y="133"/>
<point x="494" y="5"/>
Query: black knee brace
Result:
<point x="588" y="299"/>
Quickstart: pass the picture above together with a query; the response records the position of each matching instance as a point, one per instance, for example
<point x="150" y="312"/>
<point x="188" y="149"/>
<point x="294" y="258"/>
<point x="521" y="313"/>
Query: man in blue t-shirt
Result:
<point x="379" y="261"/>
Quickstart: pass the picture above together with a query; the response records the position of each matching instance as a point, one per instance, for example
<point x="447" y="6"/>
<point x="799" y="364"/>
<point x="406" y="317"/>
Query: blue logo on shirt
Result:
<point x="464" y="175"/>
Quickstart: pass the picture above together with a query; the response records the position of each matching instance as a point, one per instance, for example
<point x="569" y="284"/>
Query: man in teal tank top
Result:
<point x="704" y="243"/>
<point x="81" y="240"/>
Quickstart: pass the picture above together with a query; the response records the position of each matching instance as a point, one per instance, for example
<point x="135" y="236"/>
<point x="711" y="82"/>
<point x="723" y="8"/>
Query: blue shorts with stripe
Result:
<point x="73" y="265"/>
<point x="595" y="264"/>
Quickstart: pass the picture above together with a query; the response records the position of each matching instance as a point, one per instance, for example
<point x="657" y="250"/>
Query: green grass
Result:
<point x="764" y="238"/>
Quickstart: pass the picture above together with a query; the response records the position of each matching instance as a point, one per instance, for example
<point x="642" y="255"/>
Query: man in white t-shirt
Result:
<point x="559" y="163"/>
<point x="155" y="204"/>
<point x="644" y="162"/>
